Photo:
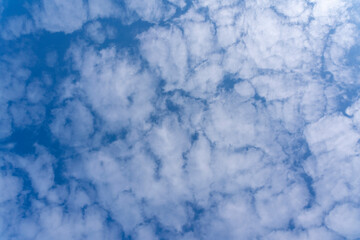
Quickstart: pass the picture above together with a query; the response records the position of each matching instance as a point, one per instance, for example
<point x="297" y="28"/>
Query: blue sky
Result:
<point x="179" y="119"/>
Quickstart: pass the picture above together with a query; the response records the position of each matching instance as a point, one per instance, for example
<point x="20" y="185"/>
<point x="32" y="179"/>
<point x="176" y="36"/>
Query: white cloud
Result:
<point x="103" y="8"/>
<point x="24" y="115"/>
<point x="16" y="26"/>
<point x="60" y="16"/>
<point x="28" y="229"/>
<point x="166" y="51"/>
<point x="344" y="219"/>
<point x="199" y="171"/>
<point x="72" y="124"/>
<point x="237" y="218"/>
<point x="180" y="3"/>
<point x="332" y="135"/>
<point x="273" y="44"/>
<point x="96" y="32"/>
<point x="293" y="8"/>
<point x="114" y="85"/>
<point x="276" y="209"/>
<point x="40" y="170"/>
<point x="231" y="122"/>
<point x="238" y="63"/>
<point x="204" y="78"/>
<point x="12" y="88"/>
<point x="311" y="234"/>
<point x="313" y="102"/>
<point x="334" y="142"/>
<point x="199" y="37"/>
<point x="14" y="75"/>
<point x="10" y="186"/>
<point x="151" y="10"/>
<point x="35" y="92"/>
<point x="310" y="218"/>
<point x="245" y="89"/>
<point x="227" y="127"/>
<point x="331" y="11"/>
<point x="170" y="50"/>
<point x="336" y="55"/>
<point x="55" y="223"/>
<point x="273" y="87"/>
<point x="145" y="233"/>
<point x="169" y="141"/>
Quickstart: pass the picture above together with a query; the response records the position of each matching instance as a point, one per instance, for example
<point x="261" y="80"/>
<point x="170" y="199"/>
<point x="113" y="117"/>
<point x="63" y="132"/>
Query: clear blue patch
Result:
<point x="24" y="140"/>
<point x="228" y="83"/>
<point x="327" y="76"/>
<point x="194" y="137"/>
<point x="112" y="137"/>
<point x="172" y="107"/>
<point x="353" y="56"/>
<point x="309" y="184"/>
<point x="15" y="7"/>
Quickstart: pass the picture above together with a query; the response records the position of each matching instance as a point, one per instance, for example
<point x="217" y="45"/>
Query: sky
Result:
<point x="179" y="119"/>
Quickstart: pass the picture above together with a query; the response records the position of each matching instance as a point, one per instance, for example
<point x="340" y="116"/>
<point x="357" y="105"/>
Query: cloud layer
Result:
<point x="179" y="119"/>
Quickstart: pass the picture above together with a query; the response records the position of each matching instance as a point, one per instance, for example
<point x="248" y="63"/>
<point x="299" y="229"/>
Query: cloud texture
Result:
<point x="174" y="119"/>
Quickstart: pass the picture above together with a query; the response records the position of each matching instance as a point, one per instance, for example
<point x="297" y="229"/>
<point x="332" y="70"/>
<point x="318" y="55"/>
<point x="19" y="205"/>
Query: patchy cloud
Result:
<point x="179" y="119"/>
